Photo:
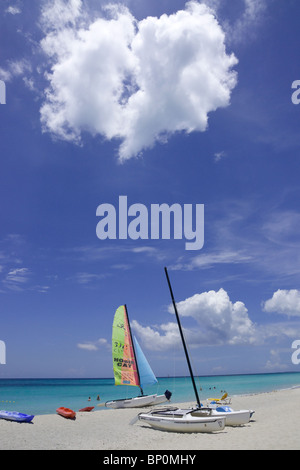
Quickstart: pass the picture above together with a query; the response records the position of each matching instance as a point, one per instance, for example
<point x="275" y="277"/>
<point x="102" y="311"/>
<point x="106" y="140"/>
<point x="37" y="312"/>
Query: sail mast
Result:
<point x="132" y="342"/>
<point x="183" y="340"/>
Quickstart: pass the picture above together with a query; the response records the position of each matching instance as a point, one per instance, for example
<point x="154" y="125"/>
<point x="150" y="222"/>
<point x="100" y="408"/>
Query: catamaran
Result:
<point x="196" y="419"/>
<point x="130" y="365"/>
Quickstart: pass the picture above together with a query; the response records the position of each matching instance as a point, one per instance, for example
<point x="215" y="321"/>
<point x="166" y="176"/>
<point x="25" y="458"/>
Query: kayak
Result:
<point x="87" y="408"/>
<point x="16" y="416"/>
<point x="66" y="412"/>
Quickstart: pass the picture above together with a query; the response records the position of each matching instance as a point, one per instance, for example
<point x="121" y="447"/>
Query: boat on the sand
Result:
<point x="66" y="412"/>
<point x="16" y="416"/>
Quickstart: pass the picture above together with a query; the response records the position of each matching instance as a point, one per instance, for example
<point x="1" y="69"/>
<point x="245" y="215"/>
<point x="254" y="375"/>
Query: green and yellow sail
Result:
<point x="124" y="362"/>
<point x="129" y="363"/>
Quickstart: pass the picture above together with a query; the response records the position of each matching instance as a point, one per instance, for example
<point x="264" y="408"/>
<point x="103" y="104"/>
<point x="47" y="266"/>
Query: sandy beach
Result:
<point x="275" y="425"/>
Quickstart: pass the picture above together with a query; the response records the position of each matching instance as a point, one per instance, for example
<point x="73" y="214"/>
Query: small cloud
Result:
<point x="13" y="10"/>
<point x="211" y="259"/>
<point x="121" y="267"/>
<point x="42" y="289"/>
<point x="15" y="68"/>
<point x="94" y="345"/>
<point x="286" y="302"/>
<point x="144" y="249"/>
<point x="87" y="278"/>
<point x="149" y="251"/>
<point x="16" y="279"/>
<point x="87" y="346"/>
<point x="274" y="363"/>
<point x="219" y="156"/>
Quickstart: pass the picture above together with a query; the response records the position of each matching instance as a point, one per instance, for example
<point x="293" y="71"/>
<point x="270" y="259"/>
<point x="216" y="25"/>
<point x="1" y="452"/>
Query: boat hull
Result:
<point x="159" y="399"/>
<point x="16" y="416"/>
<point x="183" y="421"/>
<point x="87" y="408"/>
<point x="137" y="402"/>
<point x="66" y="412"/>
<point x="233" y="418"/>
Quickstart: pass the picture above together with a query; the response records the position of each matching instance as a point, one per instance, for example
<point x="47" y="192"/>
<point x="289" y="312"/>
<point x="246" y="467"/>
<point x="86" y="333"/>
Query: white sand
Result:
<point x="275" y="425"/>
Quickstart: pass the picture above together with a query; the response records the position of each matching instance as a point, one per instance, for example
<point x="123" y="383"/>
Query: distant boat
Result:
<point x="66" y="412"/>
<point x="87" y="408"/>
<point x="130" y="365"/>
<point x="16" y="416"/>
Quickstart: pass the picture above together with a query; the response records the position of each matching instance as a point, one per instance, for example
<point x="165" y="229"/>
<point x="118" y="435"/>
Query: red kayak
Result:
<point x="87" y="408"/>
<point x="66" y="412"/>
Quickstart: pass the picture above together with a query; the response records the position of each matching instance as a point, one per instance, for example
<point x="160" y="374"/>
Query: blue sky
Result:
<point x="162" y="102"/>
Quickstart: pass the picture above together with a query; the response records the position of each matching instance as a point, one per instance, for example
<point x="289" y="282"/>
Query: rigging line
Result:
<point x="174" y="368"/>
<point x="197" y="376"/>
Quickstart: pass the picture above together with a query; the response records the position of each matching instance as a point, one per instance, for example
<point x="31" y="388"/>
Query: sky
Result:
<point x="189" y="104"/>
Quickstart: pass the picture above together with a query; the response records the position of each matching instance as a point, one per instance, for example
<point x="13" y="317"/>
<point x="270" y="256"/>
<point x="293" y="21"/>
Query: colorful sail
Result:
<point x="146" y="374"/>
<point x="124" y="363"/>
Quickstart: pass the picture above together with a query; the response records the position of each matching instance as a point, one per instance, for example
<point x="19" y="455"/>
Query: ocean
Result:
<point x="44" y="396"/>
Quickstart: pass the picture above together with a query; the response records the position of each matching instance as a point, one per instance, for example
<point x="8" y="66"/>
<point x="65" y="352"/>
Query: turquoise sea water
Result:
<point x="43" y="396"/>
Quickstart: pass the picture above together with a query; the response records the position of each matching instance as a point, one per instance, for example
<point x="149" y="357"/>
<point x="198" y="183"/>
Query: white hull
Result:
<point x="159" y="399"/>
<point x="182" y="421"/>
<point x="233" y="418"/>
<point x="137" y="402"/>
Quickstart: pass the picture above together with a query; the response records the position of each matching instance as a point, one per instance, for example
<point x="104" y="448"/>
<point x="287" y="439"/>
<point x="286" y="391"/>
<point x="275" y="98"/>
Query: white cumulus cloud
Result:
<point x="161" y="338"/>
<point x="285" y="302"/>
<point x="218" y="321"/>
<point x="135" y="81"/>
